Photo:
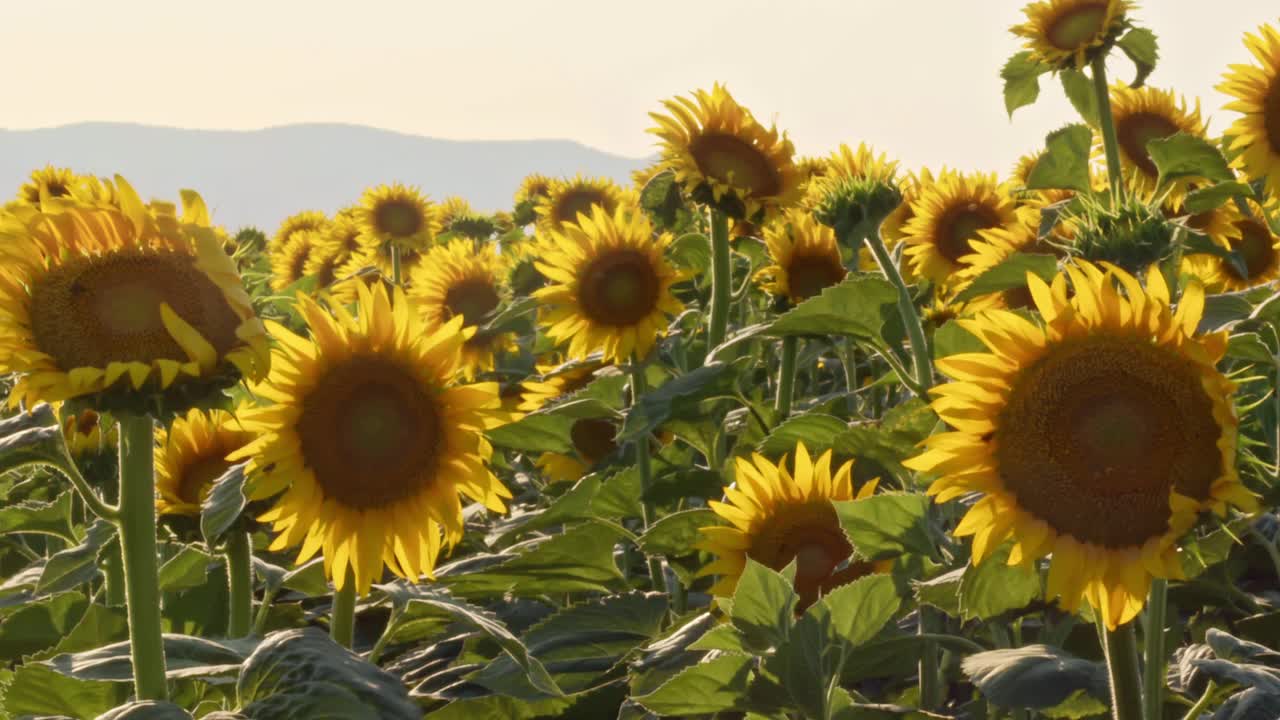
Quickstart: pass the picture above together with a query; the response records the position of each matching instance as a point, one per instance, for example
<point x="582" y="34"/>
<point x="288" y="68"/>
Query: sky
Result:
<point x="918" y="79"/>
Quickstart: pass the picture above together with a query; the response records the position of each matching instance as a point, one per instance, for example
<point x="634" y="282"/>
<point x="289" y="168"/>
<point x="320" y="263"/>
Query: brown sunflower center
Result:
<point x="1256" y="247"/>
<point x="619" y="288"/>
<point x="735" y="162"/>
<point x="580" y="201"/>
<point x="1078" y="26"/>
<point x="86" y="422"/>
<point x="810" y="535"/>
<point x="90" y="312"/>
<point x="593" y="439"/>
<point x="809" y="275"/>
<point x="1134" y="132"/>
<point x="960" y="224"/>
<point x="398" y="218"/>
<point x="1271" y="114"/>
<point x="198" y="477"/>
<point x="472" y="299"/>
<point x="371" y="432"/>
<point x="1096" y="434"/>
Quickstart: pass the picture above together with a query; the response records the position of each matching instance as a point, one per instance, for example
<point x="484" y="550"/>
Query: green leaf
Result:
<point x="764" y="605"/>
<point x="660" y="197"/>
<point x="535" y="433"/>
<point x="1010" y="273"/>
<point x="677" y="398"/>
<point x="1220" y="310"/>
<point x="1248" y="346"/>
<point x="38" y="691"/>
<point x="40" y="624"/>
<point x="1205" y="199"/>
<point x="1140" y="45"/>
<point x="591" y="497"/>
<point x="722" y="637"/>
<point x="1079" y="90"/>
<point x="942" y="592"/>
<point x="99" y="625"/>
<point x="314" y="700"/>
<point x="817" y="431"/>
<point x="1021" y="81"/>
<point x="43" y="445"/>
<point x="1035" y="676"/>
<point x="77" y="565"/>
<point x="858" y="610"/>
<point x="188" y="569"/>
<point x="863" y="307"/>
<point x="995" y="587"/>
<point x="886" y="525"/>
<point x="185" y="657"/>
<point x="951" y="339"/>
<point x="691" y="253"/>
<point x="1184" y="155"/>
<point x="578" y="560"/>
<point x="147" y="710"/>
<point x="713" y="686"/>
<point x="1065" y="162"/>
<point x="1196" y="243"/>
<point x="223" y="505"/>
<point x="51" y="518"/>
<point x="674" y="535"/>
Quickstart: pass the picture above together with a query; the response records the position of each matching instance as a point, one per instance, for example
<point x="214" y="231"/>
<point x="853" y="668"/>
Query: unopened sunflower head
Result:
<point x="1131" y="234"/>
<point x="99" y="303"/>
<point x="856" y="191"/>
<point x="726" y="159"/>
<point x="1071" y="33"/>
<point x="1255" y="135"/>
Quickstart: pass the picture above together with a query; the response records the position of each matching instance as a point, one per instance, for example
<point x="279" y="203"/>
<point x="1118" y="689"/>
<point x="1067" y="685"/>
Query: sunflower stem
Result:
<point x="931" y="691"/>
<point x="342" y="621"/>
<point x="721" y="280"/>
<point x="1203" y="703"/>
<point x="1153" y="650"/>
<point x="907" y="308"/>
<point x="113" y="576"/>
<point x="396" y="271"/>
<point x="240" y="583"/>
<point x="264" y="612"/>
<point x="786" y="376"/>
<point x="137" y="528"/>
<point x="640" y="385"/>
<point x="1121" y="648"/>
<point x="1108" y="123"/>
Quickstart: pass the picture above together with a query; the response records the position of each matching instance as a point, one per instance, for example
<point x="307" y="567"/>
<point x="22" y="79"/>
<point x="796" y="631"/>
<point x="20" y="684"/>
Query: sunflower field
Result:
<point x="752" y="436"/>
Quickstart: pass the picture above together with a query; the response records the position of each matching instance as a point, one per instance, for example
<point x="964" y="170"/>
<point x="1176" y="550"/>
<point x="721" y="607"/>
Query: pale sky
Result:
<point x="918" y="79"/>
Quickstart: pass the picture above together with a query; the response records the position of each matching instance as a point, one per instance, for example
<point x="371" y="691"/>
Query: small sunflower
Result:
<point x="370" y="441"/>
<point x="806" y="258"/>
<point x="98" y="299"/>
<point x="522" y="274"/>
<point x="398" y="214"/>
<point x="344" y="237"/>
<point x="532" y="189"/>
<point x="778" y="516"/>
<point x="992" y="248"/>
<point x="641" y="177"/>
<point x="1142" y="115"/>
<point x="1218" y="224"/>
<point x="361" y="268"/>
<point x="593" y="443"/>
<point x="724" y="157"/>
<point x="948" y="214"/>
<point x="305" y="221"/>
<point x="322" y="263"/>
<point x="1069" y="33"/>
<point x="462" y="280"/>
<point x="1257" y="245"/>
<point x="556" y="382"/>
<point x="1096" y="438"/>
<point x="289" y="263"/>
<point x="451" y="209"/>
<point x="89" y="433"/>
<point x="1256" y="134"/>
<point x="611" y="285"/>
<point x="569" y="198"/>
<point x="191" y="455"/>
<point x="48" y="182"/>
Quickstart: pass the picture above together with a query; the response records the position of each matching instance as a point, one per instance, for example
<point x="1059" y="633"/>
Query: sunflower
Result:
<point x="610" y="285"/>
<point x="89" y="433"/>
<point x="289" y="263"/>
<point x="1142" y="115"/>
<point x="48" y="182"/>
<point x="90" y="297"/>
<point x="323" y="262"/>
<point x="461" y="280"/>
<point x="1218" y="223"/>
<point x="569" y="198"/>
<point x="556" y="382"/>
<point x="191" y="455"/>
<point x="1256" y="244"/>
<point x="343" y="237"/>
<point x="305" y="221"/>
<point x="369" y="440"/>
<point x="361" y="268"/>
<point x="641" y="177"/>
<point x="892" y="229"/>
<point x="1069" y="33"/>
<point x="948" y="215"/>
<point x="1256" y="134"/>
<point x="1096" y="438"/>
<point x="992" y="248"/>
<point x="806" y="258"/>
<point x="400" y="214"/>
<point x="522" y="274"/>
<point x="593" y="443"/>
<point x="723" y="157"/>
<point x="449" y="210"/>
<point x="777" y="517"/>
<point x="532" y="189"/>
<point x="854" y="187"/>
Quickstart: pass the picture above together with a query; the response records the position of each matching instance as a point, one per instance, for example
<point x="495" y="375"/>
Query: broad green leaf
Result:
<point x="691" y="253"/>
<point x="578" y="560"/>
<point x="951" y="339"/>
<point x="38" y="691"/>
<point x="187" y="569"/>
<point x="1207" y="198"/>
<point x="764" y="605"/>
<point x="1220" y="310"/>
<point x="1065" y="162"/>
<point x="39" y="416"/>
<point x="660" y="198"/>
<point x="863" y="307"/>
<point x="536" y="433"/>
<point x="1079" y="90"/>
<point x="185" y="657"/>
<point x="995" y="587"/>
<point x="594" y="496"/>
<point x="1229" y="647"/>
<point x="1011" y="273"/>
<point x="817" y="431"/>
<point x="496" y="707"/>
<point x="676" y="398"/>
<point x="313" y="700"/>
<point x="146" y="710"/>
<point x="1184" y="155"/>
<point x="33" y="445"/>
<point x="1035" y="676"/>
<point x="1021" y="81"/>
<point x="99" y="625"/>
<point x="1140" y="45"/>
<point x="51" y="518"/>
<point x="886" y="525"/>
<point x="223" y="505"/>
<point x="942" y="592"/>
<point x="1248" y="346"/>
<point x="40" y="624"/>
<point x="709" y="687"/>
<point x="858" y="610"/>
<point x="77" y="565"/>
<point x="722" y="637"/>
<point x="675" y="534"/>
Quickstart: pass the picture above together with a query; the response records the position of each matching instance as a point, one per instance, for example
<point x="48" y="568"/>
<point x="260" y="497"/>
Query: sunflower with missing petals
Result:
<point x="98" y="302"/>
<point x="1070" y="33"/>
<point x="779" y="515"/>
<point x="806" y="258"/>
<point x="368" y="442"/>
<point x="1256" y="133"/>
<point x="567" y="199"/>
<point x="1096" y="438"/>
<point x="1256" y="244"/>
<point x="289" y="263"/>
<point x="1142" y="115"/>
<point x="398" y="214"/>
<point x="948" y="214"/>
<point x="463" y="280"/>
<point x="48" y="182"/>
<point x="305" y="221"/>
<point x="724" y="157"/>
<point x="191" y="455"/>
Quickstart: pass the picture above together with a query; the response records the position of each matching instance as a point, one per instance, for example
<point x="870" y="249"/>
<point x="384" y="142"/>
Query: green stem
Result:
<point x="639" y="385"/>
<point x="1109" y="142"/>
<point x="137" y="528"/>
<point x="907" y="308"/>
<point x="114" y="576"/>
<point x="721" y="280"/>
<point x="240" y="582"/>
<point x="342" y="621"/>
<point x="1202" y="704"/>
<point x="931" y="695"/>
<point x="264" y="612"/>
<point x="396" y="271"/>
<point x="786" y="376"/>
<point x="393" y="623"/>
<point x="1153" y="650"/>
<point x="849" y="363"/>
<point x="1121" y="649"/>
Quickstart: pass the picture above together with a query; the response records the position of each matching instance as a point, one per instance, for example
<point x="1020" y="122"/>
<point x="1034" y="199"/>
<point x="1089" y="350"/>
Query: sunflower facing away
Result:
<point x="1257" y="245"/>
<point x="1256" y="134"/>
<point x="566" y="199"/>
<point x="947" y="215"/>
<point x="805" y="255"/>
<point x="398" y="214"/>
<point x="1142" y="115"/>
<point x="344" y="237"/>
<point x="1096" y="438"/>
<point x="191" y="455"/>
<point x="724" y="157"/>
<point x="463" y="280"/>
<point x="1067" y="33"/>
<point x="47" y="182"/>
<point x="369" y="440"/>
<point x="289" y="263"/>
<point x="777" y="516"/>
<point x="609" y="285"/>
<point x="305" y="221"/>
<point x="95" y="299"/>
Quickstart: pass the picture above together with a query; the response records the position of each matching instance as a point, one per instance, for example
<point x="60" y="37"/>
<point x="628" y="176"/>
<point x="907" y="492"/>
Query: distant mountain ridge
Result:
<point x="259" y="177"/>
